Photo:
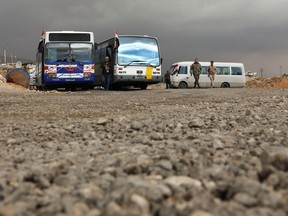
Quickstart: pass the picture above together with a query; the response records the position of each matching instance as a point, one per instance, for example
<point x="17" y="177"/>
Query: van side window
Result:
<point x="204" y="70"/>
<point x="236" y="70"/>
<point x="182" y="70"/>
<point x="223" y="70"/>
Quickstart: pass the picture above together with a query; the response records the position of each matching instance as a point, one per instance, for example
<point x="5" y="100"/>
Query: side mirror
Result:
<point x="161" y="61"/>
<point x="41" y="47"/>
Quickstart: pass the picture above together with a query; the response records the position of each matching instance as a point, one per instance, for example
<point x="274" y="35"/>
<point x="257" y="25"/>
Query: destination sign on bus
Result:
<point x="69" y="37"/>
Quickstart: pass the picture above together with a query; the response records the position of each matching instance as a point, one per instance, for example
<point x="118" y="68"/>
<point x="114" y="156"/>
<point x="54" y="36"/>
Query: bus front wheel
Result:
<point x="143" y="86"/>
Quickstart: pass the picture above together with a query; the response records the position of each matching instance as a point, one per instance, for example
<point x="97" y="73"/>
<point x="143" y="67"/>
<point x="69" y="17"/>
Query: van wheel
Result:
<point x="183" y="85"/>
<point x="225" y="85"/>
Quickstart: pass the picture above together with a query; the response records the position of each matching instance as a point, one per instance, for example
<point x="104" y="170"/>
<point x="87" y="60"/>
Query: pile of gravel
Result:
<point x="156" y="152"/>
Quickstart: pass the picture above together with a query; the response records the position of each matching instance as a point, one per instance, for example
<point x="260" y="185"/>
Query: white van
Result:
<point x="228" y="75"/>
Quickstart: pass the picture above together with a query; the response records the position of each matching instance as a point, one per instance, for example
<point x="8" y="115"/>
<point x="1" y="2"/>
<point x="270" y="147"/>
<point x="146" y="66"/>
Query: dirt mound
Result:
<point x="274" y="82"/>
<point x="3" y="73"/>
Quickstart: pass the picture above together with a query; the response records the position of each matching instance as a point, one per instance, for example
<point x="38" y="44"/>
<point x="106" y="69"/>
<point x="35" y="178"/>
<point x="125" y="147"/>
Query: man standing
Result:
<point x="167" y="80"/>
<point x="211" y="73"/>
<point x="195" y="69"/>
<point x="106" y="73"/>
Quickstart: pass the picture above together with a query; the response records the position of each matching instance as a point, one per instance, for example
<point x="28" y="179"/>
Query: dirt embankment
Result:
<point x="274" y="82"/>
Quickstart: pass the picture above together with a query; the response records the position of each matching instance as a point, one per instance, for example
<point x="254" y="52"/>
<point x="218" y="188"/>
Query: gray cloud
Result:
<point x="252" y="32"/>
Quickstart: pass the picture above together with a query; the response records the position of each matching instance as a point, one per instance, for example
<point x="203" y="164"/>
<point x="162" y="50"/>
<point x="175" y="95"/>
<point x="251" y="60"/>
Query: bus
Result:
<point x="135" y="61"/>
<point x="228" y="75"/>
<point x="65" y="59"/>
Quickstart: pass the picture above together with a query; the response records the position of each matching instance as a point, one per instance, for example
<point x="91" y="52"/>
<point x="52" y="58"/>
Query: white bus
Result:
<point x="228" y="75"/>
<point x="65" y="59"/>
<point x="135" y="61"/>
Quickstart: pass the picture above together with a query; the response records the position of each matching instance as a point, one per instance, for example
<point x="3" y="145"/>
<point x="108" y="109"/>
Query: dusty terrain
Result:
<point x="195" y="152"/>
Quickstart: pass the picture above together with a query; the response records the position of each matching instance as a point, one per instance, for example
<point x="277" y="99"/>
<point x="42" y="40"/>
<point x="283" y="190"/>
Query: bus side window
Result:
<point x="182" y="70"/>
<point x="236" y="71"/>
<point x="103" y="54"/>
<point x="97" y="56"/>
<point x="109" y="52"/>
<point x="204" y="70"/>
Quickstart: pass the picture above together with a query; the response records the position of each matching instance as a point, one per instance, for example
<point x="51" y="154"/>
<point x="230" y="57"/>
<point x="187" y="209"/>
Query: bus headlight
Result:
<point x="52" y="75"/>
<point x="87" y="74"/>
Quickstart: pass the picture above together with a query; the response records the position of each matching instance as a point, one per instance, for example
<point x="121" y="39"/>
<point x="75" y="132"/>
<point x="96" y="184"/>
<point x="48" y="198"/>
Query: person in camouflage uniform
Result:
<point x="195" y="69"/>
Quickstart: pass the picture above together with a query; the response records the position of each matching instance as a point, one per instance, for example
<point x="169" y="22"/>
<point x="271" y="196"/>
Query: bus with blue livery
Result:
<point x="135" y="61"/>
<point x="65" y="59"/>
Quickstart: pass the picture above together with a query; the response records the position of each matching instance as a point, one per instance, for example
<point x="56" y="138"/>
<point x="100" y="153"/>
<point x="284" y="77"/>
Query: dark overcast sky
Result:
<point x="254" y="32"/>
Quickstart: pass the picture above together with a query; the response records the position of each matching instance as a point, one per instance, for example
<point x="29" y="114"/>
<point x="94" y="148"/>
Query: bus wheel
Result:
<point x="183" y="85"/>
<point x="143" y="86"/>
<point x="225" y="85"/>
<point x="86" y="88"/>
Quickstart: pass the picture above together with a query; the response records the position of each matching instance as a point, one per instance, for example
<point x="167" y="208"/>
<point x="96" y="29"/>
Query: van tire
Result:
<point x="225" y="85"/>
<point x="183" y="85"/>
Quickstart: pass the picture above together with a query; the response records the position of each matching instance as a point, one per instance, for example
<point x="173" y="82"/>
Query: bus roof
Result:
<point x="110" y="38"/>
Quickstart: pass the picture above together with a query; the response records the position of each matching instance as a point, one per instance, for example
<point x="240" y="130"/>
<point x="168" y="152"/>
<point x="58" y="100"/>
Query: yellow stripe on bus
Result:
<point x="149" y="71"/>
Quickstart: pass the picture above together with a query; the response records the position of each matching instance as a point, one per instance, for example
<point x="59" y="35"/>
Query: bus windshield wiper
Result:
<point x="135" y="61"/>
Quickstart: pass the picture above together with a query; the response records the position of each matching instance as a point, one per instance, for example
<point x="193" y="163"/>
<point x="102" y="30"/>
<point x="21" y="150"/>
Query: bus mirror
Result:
<point x="40" y="48"/>
<point x="161" y="61"/>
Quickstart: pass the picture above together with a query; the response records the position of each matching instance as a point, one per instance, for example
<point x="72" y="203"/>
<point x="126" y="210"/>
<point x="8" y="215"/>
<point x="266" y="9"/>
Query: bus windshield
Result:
<point x="138" y="51"/>
<point x="69" y="52"/>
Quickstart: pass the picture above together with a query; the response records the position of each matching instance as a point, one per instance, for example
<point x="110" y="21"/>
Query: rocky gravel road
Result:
<point x="195" y="152"/>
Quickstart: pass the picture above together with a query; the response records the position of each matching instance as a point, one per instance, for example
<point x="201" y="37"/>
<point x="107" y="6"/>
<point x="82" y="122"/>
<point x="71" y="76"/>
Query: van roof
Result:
<point x="208" y="63"/>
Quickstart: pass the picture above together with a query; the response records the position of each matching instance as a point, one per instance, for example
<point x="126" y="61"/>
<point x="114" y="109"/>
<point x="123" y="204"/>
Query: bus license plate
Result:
<point x="70" y="80"/>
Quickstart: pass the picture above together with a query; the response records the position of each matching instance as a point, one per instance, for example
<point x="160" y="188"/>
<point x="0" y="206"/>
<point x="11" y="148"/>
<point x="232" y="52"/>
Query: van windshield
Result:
<point x="174" y="69"/>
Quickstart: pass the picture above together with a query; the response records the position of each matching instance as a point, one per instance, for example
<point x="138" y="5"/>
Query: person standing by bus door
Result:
<point x="195" y="69"/>
<point x="106" y="73"/>
<point x="167" y="80"/>
<point x="211" y="73"/>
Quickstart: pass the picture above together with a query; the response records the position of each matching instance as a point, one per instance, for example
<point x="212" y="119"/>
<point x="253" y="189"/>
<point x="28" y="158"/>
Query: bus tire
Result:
<point x="225" y="85"/>
<point x="143" y="86"/>
<point x="183" y="85"/>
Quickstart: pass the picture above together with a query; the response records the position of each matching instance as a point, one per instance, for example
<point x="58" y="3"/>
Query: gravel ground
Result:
<point x="195" y="152"/>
